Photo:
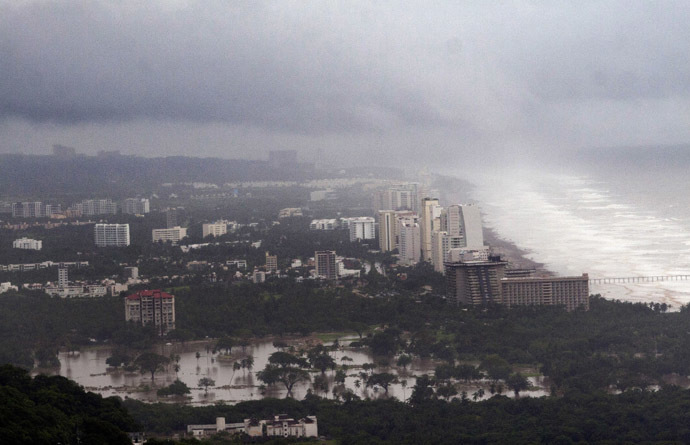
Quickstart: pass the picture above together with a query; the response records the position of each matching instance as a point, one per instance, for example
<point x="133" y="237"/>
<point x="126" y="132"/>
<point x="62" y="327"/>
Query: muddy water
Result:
<point x="88" y="368"/>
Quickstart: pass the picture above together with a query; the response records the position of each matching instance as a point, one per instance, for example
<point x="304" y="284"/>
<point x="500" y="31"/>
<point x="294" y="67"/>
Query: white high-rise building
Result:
<point x="409" y="241"/>
<point x="362" y="228"/>
<point x="441" y="243"/>
<point x="27" y="243"/>
<point x="466" y="220"/>
<point x="216" y="229"/>
<point x="111" y="235"/>
<point x="136" y="206"/>
<point x="174" y="234"/>
<point x="430" y="220"/>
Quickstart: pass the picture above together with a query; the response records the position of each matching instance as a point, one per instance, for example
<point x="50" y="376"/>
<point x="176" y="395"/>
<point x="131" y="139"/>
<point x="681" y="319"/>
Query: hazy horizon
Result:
<point x="345" y="82"/>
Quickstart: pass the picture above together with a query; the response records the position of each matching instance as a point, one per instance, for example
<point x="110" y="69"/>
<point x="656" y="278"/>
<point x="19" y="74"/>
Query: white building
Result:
<point x="409" y="240"/>
<point x="111" y="235"/>
<point x="63" y="277"/>
<point x="90" y="207"/>
<point x="322" y="195"/>
<point x="280" y="426"/>
<point x="290" y="212"/>
<point x="465" y="220"/>
<point x="136" y="206"/>
<point x="362" y="228"/>
<point x="259" y="276"/>
<point x="216" y="229"/>
<point x="27" y="243"/>
<point x="323" y="224"/>
<point x="441" y="243"/>
<point x="4" y="287"/>
<point x="429" y="221"/>
<point x="174" y="234"/>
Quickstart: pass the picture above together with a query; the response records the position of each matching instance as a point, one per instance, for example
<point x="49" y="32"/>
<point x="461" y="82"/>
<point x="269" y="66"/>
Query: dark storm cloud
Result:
<point x="252" y="64"/>
<point x="440" y="77"/>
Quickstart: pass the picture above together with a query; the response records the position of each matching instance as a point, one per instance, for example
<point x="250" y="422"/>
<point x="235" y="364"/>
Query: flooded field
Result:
<point x="197" y="360"/>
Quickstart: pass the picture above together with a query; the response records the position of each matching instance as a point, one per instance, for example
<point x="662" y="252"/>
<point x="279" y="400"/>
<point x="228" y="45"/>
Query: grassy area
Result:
<point x="331" y="336"/>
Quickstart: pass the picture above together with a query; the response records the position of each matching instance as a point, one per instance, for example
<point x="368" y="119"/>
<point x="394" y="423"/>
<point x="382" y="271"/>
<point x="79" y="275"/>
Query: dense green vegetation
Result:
<point x="51" y="410"/>
<point x="631" y="417"/>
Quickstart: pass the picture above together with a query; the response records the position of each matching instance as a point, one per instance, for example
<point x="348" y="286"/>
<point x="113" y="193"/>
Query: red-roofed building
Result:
<point x="151" y="307"/>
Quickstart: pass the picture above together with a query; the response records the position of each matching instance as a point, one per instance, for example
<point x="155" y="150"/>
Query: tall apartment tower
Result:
<point x="464" y="220"/>
<point x="387" y="222"/>
<point x="63" y="277"/>
<point x="151" y="307"/>
<point x="271" y="263"/>
<point x="430" y="211"/>
<point x="441" y="243"/>
<point x="409" y="241"/>
<point x="475" y="282"/>
<point x="324" y="261"/>
<point x="116" y="235"/>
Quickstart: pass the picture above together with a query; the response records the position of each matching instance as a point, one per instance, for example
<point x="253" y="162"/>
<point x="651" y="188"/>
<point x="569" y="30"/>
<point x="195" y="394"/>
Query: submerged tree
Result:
<point x="151" y="362"/>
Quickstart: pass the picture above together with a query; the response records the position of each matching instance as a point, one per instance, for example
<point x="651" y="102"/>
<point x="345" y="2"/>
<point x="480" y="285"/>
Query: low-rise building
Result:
<point x="27" y="243"/>
<point x="216" y="229"/>
<point x="323" y="224"/>
<point x="5" y="287"/>
<point x="173" y="235"/>
<point x="290" y="212"/>
<point x="280" y="426"/>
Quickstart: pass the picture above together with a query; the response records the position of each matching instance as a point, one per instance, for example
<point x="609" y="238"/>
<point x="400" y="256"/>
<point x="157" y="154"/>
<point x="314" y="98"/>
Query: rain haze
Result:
<point x="345" y="80"/>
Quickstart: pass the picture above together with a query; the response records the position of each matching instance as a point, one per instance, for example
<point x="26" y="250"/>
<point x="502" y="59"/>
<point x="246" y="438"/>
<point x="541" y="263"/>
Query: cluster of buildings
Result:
<point x="451" y="238"/>
<point x="26" y="267"/>
<point x="430" y="233"/>
<point x="280" y="426"/>
<point x="87" y="207"/>
<point x="66" y="289"/>
<point x="360" y="228"/>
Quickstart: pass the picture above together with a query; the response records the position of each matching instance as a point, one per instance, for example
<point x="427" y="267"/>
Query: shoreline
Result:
<point x="454" y="190"/>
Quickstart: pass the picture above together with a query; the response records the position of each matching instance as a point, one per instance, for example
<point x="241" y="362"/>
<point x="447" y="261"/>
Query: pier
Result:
<point x="648" y="279"/>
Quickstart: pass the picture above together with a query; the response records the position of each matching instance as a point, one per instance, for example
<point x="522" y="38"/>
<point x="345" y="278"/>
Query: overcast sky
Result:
<point x="355" y="81"/>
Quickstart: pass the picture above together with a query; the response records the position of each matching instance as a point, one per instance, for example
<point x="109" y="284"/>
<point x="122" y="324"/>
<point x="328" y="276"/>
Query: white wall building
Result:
<point x="409" y="240"/>
<point x="4" y="287"/>
<point x="362" y="228"/>
<point x="27" y="243"/>
<point x="174" y="234"/>
<point x="323" y="224"/>
<point x="441" y="243"/>
<point x="136" y="206"/>
<point x="431" y="210"/>
<point x="465" y="220"/>
<point x="111" y="235"/>
<point x="216" y="229"/>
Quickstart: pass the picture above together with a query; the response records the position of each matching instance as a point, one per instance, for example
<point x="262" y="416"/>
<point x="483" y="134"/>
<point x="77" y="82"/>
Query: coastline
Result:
<point x="454" y="190"/>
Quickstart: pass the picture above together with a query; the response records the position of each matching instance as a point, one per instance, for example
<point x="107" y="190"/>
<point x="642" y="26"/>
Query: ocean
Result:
<point x="608" y="220"/>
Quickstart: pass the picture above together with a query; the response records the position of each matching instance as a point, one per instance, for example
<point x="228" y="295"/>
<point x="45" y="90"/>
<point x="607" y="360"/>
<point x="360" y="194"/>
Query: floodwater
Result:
<point x="88" y="368"/>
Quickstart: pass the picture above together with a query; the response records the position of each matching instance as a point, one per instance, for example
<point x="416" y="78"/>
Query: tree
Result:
<point x="422" y="390"/>
<point x="118" y="358"/>
<point x="447" y="391"/>
<point x="322" y="362"/>
<point x="384" y="380"/>
<point x="517" y="382"/>
<point x="225" y="344"/>
<point x="151" y="362"/>
<point x="404" y="360"/>
<point x="495" y="367"/>
<point x="287" y="375"/>
<point x="285" y="359"/>
<point x="205" y="382"/>
<point x="176" y="388"/>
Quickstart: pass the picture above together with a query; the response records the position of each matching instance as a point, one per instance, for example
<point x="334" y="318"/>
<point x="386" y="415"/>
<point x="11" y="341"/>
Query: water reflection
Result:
<point x="234" y="384"/>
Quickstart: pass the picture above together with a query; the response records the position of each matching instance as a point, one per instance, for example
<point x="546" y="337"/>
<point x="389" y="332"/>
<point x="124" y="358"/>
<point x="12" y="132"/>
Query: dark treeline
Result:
<point x="52" y="410"/>
<point x="631" y="417"/>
